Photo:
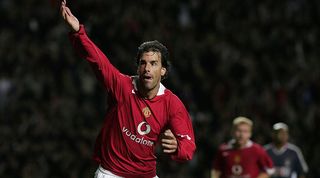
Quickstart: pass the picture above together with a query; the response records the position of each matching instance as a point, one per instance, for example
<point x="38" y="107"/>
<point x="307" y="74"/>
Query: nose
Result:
<point x="147" y="67"/>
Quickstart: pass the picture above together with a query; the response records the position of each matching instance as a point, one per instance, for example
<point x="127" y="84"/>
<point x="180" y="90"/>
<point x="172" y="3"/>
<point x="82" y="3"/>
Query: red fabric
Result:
<point x="247" y="162"/>
<point x="122" y="147"/>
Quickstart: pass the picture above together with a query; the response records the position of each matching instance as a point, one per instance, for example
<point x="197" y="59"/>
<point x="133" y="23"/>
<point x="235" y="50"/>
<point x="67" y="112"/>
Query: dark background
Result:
<point x="258" y="59"/>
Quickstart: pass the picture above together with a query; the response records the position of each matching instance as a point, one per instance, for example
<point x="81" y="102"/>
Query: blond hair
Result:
<point x="242" y="120"/>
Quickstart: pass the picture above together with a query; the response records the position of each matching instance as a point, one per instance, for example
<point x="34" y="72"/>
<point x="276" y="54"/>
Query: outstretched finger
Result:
<point x="63" y="11"/>
<point x="63" y="3"/>
<point x="68" y="11"/>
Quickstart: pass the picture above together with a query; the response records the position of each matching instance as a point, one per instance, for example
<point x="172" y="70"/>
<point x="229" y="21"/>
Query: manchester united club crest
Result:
<point x="237" y="159"/>
<point x="146" y="112"/>
<point x="236" y="168"/>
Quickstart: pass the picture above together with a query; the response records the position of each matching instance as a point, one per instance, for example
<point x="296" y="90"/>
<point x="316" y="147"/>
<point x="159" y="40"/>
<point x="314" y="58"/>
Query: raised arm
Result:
<point x="85" y="48"/>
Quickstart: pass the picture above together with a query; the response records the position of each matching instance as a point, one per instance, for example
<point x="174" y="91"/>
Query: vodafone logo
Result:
<point x="146" y="130"/>
<point x="143" y="129"/>
<point x="236" y="169"/>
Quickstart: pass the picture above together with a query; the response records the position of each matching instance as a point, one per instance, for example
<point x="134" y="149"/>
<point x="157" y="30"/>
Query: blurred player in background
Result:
<point x="140" y="109"/>
<point x="241" y="157"/>
<point x="287" y="158"/>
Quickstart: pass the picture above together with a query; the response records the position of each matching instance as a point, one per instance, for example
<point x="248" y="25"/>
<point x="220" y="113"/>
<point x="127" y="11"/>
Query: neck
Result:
<point x="239" y="145"/>
<point x="279" y="145"/>
<point x="148" y="94"/>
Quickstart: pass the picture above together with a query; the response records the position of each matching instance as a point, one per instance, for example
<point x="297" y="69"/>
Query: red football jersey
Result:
<point x="247" y="162"/>
<point x="126" y="143"/>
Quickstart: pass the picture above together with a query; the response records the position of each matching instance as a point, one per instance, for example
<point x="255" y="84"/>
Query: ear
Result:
<point x="163" y="71"/>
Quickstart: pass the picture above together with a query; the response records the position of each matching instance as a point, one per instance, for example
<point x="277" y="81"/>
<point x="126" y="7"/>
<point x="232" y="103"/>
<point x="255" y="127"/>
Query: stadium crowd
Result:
<point x="258" y="59"/>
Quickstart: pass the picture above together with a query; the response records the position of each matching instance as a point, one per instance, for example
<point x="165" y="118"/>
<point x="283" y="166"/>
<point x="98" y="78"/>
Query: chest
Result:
<point x="144" y="117"/>
<point x="286" y="159"/>
<point x="239" y="157"/>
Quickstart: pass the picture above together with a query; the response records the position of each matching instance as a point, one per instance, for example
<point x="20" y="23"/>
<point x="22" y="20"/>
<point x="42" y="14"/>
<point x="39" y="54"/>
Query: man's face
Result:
<point x="150" y="70"/>
<point x="281" y="136"/>
<point x="242" y="133"/>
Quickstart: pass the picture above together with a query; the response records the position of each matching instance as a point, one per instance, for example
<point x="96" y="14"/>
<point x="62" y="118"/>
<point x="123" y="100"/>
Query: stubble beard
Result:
<point x="147" y="87"/>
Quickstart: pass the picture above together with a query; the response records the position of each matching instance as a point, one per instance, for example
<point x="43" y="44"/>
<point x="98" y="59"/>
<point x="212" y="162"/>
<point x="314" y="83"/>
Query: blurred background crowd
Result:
<point x="258" y="59"/>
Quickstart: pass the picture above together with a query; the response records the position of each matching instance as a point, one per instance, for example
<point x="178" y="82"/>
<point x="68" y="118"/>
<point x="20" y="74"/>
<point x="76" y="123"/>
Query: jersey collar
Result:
<point x="135" y="79"/>
<point x="279" y="151"/>
<point x="232" y="142"/>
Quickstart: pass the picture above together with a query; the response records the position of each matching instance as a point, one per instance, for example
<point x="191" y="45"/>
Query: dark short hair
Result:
<point x="155" y="46"/>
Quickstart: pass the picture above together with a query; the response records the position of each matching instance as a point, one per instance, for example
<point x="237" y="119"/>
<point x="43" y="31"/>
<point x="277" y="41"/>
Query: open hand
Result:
<point x="70" y="19"/>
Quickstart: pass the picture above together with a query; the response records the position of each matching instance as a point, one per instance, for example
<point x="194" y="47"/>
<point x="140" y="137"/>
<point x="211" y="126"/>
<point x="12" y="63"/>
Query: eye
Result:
<point x="154" y="63"/>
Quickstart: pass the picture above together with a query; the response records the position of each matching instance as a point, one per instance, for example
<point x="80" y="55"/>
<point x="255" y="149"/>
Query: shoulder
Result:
<point x="258" y="148"/>
<point x="256" y="145"/>
<point x="169" y="94"/>
<point x="225" y="147"/>
<point x="293" y="148"/>
<point x="173" y="99"/>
